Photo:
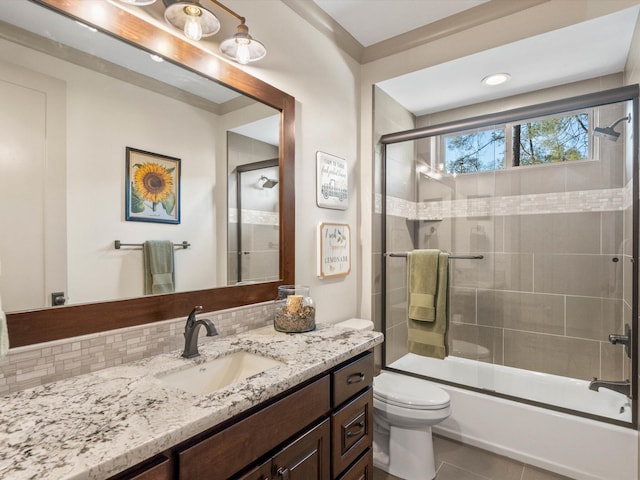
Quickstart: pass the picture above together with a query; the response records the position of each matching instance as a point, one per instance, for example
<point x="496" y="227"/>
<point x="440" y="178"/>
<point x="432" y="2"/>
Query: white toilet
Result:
<point x="404" y="410"/>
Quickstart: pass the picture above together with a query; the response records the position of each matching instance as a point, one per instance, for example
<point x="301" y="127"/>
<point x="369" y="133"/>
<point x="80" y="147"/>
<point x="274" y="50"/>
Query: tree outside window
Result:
<point x="551" y="140"/>
<point x="560" y="138"/>
<point x="475" y="151"/>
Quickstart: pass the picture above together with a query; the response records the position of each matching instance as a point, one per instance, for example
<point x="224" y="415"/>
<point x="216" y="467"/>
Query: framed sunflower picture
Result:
<point x="152" y="187"/>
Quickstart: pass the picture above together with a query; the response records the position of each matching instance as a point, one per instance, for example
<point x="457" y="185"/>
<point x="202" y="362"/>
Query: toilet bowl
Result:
<point x="404" y="410"/>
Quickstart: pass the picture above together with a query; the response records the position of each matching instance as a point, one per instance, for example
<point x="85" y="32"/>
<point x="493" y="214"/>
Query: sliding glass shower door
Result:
<point x="538" y="213"/>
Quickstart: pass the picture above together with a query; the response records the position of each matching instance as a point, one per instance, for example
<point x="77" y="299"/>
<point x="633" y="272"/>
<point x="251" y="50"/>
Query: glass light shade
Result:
<point x="192" y="19"/>
<point x="242" y="47"/>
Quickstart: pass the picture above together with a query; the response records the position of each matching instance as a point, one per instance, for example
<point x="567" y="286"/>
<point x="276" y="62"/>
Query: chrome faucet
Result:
<point x="191" y="332"/>
<point x="620" y="386"/>
<point x="623" y="339"/>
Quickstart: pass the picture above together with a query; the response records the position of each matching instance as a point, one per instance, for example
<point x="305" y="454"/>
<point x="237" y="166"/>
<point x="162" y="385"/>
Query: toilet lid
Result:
<point x="409" y="392"/>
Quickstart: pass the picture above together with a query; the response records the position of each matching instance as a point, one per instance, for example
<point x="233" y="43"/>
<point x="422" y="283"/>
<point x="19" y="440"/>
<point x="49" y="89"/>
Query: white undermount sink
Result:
<point x="218" y="373"/>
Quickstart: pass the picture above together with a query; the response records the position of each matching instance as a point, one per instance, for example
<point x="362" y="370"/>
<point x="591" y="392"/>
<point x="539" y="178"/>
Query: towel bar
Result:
<point x="117" y="244"/>
<point x="452" y="256"/>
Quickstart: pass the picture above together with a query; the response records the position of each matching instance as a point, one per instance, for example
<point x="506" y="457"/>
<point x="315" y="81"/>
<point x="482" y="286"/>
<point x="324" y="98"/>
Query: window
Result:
<point x="477" y="151"/>
<point x="551" y="139"/>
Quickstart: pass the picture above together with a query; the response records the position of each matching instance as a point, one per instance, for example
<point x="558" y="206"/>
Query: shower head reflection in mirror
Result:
<point x="267" y="182"/>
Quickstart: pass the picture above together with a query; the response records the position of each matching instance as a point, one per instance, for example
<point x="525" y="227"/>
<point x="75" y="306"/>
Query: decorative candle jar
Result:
<point x="295" y="311"/>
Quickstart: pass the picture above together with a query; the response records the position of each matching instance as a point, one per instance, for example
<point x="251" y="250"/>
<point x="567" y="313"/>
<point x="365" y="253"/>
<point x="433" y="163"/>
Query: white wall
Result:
<point x="324" y="81"/>
<point x="104" y="116"/>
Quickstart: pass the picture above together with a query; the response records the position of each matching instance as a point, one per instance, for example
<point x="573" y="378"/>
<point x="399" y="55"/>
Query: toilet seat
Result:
<point x="409" y="392"/>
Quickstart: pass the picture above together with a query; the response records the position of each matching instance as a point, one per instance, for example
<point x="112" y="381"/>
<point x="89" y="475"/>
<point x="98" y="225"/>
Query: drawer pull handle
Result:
<point x="283" y="473"/>
<point x="355" y="378"/>
<point x="360" y="426"/>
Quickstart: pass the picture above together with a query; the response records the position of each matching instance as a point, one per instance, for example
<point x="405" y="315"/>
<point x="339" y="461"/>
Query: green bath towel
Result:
<point x="159" y="276"/>
<point x="427" y="289"/>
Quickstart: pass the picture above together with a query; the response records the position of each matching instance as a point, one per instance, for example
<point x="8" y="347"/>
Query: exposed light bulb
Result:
<point x="243" y="55"/>
<point x="192" y="27"/>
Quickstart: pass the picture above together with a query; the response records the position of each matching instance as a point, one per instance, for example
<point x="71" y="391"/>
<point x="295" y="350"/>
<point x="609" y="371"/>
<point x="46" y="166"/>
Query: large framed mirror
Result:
<point x="193" y="106"/>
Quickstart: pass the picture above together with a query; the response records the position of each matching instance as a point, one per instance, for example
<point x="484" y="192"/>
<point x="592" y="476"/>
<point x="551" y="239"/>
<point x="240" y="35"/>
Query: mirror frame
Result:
<point x="48" y="324"/>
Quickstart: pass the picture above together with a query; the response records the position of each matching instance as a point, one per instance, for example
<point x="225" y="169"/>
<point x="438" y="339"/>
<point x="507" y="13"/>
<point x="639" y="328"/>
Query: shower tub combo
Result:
<point x="544" y="266"/>
<point x="580" y="448"/>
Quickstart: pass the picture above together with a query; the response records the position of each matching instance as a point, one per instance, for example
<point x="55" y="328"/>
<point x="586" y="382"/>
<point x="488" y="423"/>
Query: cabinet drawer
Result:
<point x="351" y="379"/>
<point x="229" y="451"/>
<point x="158" y="468"/>
<point x="362" y="469"/>
<point x="351" y="431"/>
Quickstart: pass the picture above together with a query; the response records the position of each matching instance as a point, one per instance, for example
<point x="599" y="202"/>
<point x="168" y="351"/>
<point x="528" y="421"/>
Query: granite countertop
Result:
<point x="95" y="425"/>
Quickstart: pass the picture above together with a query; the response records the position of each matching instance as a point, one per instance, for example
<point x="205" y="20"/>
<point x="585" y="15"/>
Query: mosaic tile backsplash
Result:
<point x="33" y="365"/>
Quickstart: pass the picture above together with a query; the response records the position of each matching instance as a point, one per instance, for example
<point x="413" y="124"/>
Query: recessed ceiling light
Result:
<point x="156" y="58"/>
<point x="496" y="78"/>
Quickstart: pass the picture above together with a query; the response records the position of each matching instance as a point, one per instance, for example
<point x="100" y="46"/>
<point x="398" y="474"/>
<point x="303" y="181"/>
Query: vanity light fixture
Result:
<point x="496" y="79"/>
<point x="196" y="21"/>
<point x="192" y="18"/>
<point x="242" y="47"/>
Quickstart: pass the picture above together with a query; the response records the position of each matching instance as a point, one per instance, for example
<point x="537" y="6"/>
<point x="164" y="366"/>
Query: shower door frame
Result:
<point x="591" y="100"/>
<point x="240" y="169"/>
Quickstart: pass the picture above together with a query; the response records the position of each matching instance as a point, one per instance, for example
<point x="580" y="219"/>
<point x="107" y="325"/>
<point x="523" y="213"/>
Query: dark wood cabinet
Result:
<point x="307" y="458"/>
<point x="261" y="472"/>
<point x="157" y="468"/>
<point x="227" y="452"/>
<point x="362" y="469"/>
<point x="351" y="431"/>
<point x="321" y="430"/>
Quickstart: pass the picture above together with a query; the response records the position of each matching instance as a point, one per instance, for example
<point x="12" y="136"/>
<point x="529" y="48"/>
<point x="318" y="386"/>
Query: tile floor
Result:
<point x="455" y="461"/>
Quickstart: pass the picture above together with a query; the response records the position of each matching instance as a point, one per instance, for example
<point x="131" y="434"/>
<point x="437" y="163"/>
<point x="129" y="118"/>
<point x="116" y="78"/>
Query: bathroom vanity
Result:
<point x="309" y="417"/>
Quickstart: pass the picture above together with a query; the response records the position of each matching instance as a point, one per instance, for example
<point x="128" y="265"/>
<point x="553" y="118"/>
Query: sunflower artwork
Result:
<point x="153" y="187"/>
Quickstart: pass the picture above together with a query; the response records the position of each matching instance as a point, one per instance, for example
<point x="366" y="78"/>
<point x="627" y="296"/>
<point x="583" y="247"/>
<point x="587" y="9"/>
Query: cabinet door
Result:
<point x="362" y="469"/>
<point x="262" y="472"/>
<point x="352" y="431"/>
<point x="307" y="458"/>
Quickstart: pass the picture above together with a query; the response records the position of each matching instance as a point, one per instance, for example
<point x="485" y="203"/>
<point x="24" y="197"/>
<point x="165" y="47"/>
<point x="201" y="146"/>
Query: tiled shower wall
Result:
<point x="34" y="365"/>
<point x="555" y="277"/>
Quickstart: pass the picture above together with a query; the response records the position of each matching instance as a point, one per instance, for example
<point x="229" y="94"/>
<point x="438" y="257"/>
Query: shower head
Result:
<point x="268" y="182"/>
<point x="608" y="132"/>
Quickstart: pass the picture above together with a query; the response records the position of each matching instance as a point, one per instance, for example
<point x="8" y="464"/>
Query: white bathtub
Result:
<point x="570" y="445"/>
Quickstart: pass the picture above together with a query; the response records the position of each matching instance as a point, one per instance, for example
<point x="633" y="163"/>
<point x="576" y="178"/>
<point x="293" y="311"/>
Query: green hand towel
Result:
<point x="428" y="321"/>
<point x="422" y="283"/>
<point x="159" y="276"/>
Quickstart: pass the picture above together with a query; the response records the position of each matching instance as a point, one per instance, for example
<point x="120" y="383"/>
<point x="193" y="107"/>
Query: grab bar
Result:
<point x="452" y="256"/>
<point x="117" y="244"/>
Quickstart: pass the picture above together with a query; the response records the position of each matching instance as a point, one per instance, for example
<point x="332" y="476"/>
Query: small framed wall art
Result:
<point x="152" y="192"/>
<point x="334" y="250"/>
<point x="332" y="189"/>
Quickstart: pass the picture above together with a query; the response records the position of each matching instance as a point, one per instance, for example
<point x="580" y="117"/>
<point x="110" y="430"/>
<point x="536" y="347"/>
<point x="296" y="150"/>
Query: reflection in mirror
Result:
<point x="77" y="151"/>
<point x="253" y="205"/>
<point x="67" y="119"/>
